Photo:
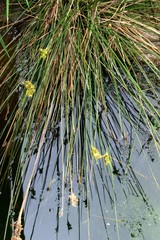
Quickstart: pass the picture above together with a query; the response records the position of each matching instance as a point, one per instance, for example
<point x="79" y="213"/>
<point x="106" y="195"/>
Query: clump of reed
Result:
<point x="79" y="58"/>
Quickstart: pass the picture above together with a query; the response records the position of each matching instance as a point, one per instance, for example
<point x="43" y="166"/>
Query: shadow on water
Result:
<point x="118" y="203"/>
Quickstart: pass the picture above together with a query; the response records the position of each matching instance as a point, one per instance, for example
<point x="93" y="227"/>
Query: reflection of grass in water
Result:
<point x="86" y="40"/>
<point x="99" y="192"/>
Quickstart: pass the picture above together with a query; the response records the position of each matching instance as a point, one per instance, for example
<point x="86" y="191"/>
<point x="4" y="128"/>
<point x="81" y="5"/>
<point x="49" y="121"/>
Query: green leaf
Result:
<point x="4" y="46"/>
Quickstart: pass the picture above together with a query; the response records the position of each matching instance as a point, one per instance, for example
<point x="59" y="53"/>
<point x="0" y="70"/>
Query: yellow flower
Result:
<point x="44" y="52"/>
<point x="107" y="159"/>
<point x="96" y="154"/>
<point x="30" y="89"/>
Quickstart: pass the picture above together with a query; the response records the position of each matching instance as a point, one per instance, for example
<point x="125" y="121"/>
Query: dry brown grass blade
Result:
<point x="18" y="225"/>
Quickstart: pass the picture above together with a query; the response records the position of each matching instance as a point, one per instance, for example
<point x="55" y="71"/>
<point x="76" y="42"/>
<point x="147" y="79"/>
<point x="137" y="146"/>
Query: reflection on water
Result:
<point x="118" y="203"/>
<point x="137" y="201"/>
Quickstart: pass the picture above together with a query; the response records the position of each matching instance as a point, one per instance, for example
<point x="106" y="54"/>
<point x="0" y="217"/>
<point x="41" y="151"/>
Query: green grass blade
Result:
<point x="4" y="46"/>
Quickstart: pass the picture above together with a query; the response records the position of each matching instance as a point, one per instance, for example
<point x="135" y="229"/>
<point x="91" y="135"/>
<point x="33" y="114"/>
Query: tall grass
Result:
<point x="85" y="59"/>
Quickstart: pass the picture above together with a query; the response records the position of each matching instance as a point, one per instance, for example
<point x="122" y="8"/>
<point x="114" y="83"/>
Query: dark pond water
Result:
<point x="124" y="205"/>
<point x="119" y="203"/>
